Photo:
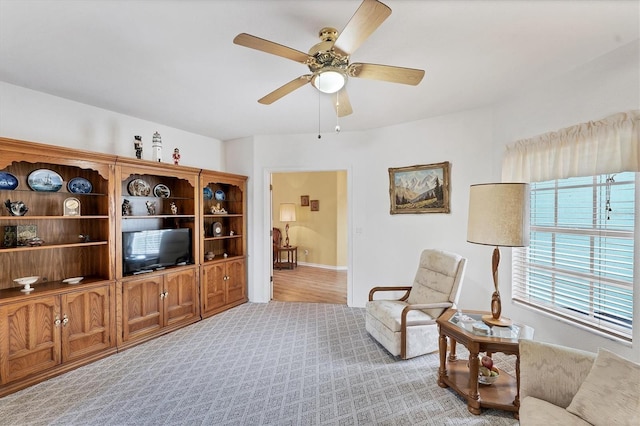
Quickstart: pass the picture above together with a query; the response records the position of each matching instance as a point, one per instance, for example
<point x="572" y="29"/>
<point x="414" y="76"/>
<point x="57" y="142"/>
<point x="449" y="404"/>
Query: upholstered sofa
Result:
<point x="565" y="386"/>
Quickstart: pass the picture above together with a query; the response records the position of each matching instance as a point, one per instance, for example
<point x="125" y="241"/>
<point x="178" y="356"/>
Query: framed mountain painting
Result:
<point x="419" y="189"/>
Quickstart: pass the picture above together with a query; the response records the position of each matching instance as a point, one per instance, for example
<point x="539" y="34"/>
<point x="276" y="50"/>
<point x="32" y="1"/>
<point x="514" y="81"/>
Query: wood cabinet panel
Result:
<point x="29" y="337"/>
<point x="88" y="328"/>
<point x="142" y="308"/>
<point x="224" y="285"/>
<point x="181" y="296"/>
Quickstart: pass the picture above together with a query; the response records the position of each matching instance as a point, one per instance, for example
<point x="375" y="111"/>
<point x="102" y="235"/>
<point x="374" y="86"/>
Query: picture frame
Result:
<point x="304" y="200"/>
<point x="420" y="189"/>
<point x="315" y="205"/>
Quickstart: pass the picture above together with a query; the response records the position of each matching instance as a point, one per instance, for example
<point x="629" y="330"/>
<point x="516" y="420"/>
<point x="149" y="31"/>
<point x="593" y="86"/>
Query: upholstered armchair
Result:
<point x="407" y="327"/>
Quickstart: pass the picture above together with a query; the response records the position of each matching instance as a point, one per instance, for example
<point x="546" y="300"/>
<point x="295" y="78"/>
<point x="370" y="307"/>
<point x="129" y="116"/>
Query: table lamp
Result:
<point x="287" y="214"/>
<point x="498" y="216"/>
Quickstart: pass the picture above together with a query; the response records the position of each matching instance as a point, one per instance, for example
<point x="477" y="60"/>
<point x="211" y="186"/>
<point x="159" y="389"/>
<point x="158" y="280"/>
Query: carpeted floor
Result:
<point x="257" y="364"/>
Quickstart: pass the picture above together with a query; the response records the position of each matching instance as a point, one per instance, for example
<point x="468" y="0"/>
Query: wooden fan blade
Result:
<point x="253" y="42"/>
<point x="285" y="90"/>
<point x="369" y="16"/>
<point x="342" y="103"/>
<point x="410" y="76"/>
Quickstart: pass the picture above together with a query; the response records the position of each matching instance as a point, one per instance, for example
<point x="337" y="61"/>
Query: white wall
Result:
<point x="38" y="117"/>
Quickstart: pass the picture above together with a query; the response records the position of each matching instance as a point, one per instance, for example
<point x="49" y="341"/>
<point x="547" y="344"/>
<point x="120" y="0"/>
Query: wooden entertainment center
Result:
<point x="80" y="204"/>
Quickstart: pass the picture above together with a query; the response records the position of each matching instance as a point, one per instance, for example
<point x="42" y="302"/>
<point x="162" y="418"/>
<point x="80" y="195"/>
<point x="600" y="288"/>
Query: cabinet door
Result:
<point x="236" y="285"/>
<point x="142" y="307"/>
<point x="213" y="286"/>
<point x="86" y="326"/>
<point x="29" y="337"/>
<point x="181" y="296"/>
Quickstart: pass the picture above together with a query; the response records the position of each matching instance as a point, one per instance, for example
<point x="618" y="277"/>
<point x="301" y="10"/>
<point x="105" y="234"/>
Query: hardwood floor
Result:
<point x="309" y="284"/>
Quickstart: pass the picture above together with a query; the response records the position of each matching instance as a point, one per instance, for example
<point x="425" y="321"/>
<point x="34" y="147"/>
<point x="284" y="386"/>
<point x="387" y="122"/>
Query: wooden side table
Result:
<point x="462" y="377"/>
<point x="292" y="257"/>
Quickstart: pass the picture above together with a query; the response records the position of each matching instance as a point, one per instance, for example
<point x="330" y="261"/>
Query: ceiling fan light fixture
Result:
<point x="329" y="80"/>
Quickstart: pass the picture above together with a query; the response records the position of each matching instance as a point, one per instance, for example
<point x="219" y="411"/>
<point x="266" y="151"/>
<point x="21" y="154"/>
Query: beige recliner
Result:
<point x="407" y="327"/>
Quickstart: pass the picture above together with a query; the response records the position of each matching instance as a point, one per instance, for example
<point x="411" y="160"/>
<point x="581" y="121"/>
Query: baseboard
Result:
<point x="315" y="265"/>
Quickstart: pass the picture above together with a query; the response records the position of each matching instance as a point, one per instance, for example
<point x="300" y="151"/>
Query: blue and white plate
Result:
<point x="44" y="180"/>
<point x="220" y="195"/>
<point x="208" y="193"/>
<point x="79" y="185"/>
<point x="8" y="181"/>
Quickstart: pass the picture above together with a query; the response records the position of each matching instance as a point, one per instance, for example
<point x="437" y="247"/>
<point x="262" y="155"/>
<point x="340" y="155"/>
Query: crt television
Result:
<point x="152" y="249"/>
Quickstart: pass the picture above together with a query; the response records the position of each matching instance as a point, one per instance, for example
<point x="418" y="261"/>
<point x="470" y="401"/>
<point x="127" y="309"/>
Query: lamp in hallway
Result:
<point x="498" y="216"/>
<point x="287" y="214"/>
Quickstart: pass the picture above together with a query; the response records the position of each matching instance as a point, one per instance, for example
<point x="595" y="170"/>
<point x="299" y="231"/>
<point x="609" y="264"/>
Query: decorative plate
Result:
<point x="139" y="188"/>
<point x="208" y="193"/>
<point x="220" y="195"/>
<point x="44" y="180"/>
<point x="79" y="185"/>
<point x="8" y="181"/>
<point x="161" y="190"/>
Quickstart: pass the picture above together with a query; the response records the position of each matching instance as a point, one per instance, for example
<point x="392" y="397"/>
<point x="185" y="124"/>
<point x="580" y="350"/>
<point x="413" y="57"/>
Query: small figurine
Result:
<point x="217" y="209"/>
<point x="174" y="208"/>
<point x="137" y="144"/>
<point x="16" y="208"/>
<point x="126" y="208"/>
<point x="85" y="238"/>
<point x="151" y="207"/>
<point x="231" y="233"/>
<point x="176" y="156"/>
<point x="156" y="146"/>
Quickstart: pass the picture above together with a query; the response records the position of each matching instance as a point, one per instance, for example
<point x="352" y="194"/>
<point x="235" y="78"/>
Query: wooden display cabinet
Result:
<point x="158" y="298"/>
<point x="56" y="326"/>
<point x="223" y="244"/>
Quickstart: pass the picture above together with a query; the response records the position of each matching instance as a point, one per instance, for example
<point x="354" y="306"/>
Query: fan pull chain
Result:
<point x="319" y="136"/>
<point x="337" y="112"/>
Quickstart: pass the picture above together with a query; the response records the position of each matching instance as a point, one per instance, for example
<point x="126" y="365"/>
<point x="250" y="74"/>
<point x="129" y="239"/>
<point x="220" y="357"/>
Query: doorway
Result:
<point x="318" y="233"/>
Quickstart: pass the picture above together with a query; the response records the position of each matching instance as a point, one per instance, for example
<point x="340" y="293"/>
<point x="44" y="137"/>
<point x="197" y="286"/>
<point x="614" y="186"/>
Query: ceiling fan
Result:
<point x="328" y="60"/>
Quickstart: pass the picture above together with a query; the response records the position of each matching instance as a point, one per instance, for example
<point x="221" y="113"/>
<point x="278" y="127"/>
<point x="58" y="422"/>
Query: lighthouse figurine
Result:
<point x="156" y="147"/>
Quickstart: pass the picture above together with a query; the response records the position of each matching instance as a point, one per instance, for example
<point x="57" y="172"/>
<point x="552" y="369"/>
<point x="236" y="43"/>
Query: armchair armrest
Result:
<point x="420" y="306"/>
<point x="406" y="289"/>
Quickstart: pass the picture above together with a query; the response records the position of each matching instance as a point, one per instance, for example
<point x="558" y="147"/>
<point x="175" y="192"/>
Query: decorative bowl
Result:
<point x="487" y="380"/>
<point x="26" y="282"/>
<point x="74" y="280"/>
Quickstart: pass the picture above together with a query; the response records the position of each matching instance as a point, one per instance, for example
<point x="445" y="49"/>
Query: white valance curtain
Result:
<point x="610" y="145"/>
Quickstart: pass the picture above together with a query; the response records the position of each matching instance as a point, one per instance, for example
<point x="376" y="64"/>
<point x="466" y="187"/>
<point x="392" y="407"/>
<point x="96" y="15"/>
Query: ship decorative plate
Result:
<point x="161" y="190"/>
<point x="8" y="181"/>
<point x="220" y="195"/>
<point x="139" y="188"/>
<point x="207" y="193"/>
<point x="44" y="180"/>
<point x="79" y="185"/>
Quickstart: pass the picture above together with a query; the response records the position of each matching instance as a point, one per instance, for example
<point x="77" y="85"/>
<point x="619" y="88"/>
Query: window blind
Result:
<point x="579" y="264"/>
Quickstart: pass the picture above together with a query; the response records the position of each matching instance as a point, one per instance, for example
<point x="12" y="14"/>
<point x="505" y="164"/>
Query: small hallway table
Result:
<point x="462" y="377"/>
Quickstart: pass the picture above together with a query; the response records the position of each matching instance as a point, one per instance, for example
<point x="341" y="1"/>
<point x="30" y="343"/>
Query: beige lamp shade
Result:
<point x="287" y="212"/>
<point x="499" y="214"/>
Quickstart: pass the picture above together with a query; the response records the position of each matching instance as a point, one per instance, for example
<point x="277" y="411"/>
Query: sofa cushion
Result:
<point x="536" y="412"/>
<point x="609" y="394"/>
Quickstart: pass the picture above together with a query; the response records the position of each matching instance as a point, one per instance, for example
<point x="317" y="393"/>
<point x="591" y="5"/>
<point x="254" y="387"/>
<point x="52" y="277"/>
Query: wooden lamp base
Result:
<point x="500" y="322"/>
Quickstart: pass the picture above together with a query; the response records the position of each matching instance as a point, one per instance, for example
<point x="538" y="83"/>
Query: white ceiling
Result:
<point x="173" y="62"/>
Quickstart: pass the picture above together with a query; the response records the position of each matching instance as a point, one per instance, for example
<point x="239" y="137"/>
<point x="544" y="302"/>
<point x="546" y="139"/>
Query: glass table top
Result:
<point x="472" y="323"/>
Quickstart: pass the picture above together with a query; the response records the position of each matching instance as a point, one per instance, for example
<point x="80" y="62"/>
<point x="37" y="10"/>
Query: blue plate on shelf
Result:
<point x="208" y="193"/>
<point x="8" y="181"/>
<point x="220" y="195"/>
<point x="44" y="180"/>
<point x="79" y="185"/>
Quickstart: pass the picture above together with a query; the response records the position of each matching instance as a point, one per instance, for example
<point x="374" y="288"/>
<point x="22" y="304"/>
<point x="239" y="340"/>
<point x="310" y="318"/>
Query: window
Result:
<point x="579" y="264"/>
